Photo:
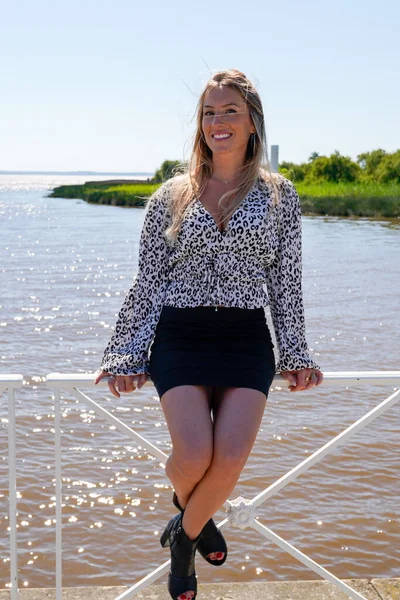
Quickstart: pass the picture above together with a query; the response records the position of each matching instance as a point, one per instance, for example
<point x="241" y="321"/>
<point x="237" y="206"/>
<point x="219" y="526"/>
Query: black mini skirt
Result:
<point x="230" y="347"/>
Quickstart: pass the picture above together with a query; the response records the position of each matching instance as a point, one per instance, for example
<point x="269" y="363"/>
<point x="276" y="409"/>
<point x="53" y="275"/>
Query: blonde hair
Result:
<point x="192" y="179"/>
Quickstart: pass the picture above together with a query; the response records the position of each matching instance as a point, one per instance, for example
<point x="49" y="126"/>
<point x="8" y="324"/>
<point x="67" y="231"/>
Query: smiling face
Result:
<point x="226" y="121"/>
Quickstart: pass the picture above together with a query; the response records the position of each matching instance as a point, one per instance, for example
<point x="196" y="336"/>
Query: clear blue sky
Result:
<point x="113" y="85"/>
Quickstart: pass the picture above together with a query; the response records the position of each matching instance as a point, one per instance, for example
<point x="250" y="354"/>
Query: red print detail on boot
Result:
<point x="186" y="595"/>
<point x="216" y="555"/>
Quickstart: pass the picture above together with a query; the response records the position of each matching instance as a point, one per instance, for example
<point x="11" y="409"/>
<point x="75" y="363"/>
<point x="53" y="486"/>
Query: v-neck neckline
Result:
<point x="207" y="212"/>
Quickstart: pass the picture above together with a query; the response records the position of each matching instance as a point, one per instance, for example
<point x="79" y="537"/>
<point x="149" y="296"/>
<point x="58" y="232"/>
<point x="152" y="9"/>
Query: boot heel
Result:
<point x="164" y="539"/>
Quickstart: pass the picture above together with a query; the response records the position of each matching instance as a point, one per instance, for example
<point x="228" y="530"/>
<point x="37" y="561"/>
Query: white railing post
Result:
<point x="12" y="475"/>
<point x="9" y="383"/>
<point x="58" y="484"/>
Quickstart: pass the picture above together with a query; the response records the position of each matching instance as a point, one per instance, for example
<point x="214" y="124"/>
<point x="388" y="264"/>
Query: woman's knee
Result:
<point x="191" y="430"/>
<point x="193" y="462"/>
<point x="228" y="464"/>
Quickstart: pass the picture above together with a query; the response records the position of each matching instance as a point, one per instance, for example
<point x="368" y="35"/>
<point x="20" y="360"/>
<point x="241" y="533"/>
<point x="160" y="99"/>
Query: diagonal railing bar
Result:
<point x="326" y="449"/>
<point x="8" y="383"/>
<point x="306" y="560"/>
<point x="121" y="426"/>
<point x="145" y="582"/>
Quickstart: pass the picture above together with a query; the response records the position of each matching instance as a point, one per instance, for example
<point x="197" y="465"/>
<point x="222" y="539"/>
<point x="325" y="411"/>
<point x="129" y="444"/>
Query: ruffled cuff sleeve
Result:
<point x="284" y="286"/>
<point x="127" y="350"/>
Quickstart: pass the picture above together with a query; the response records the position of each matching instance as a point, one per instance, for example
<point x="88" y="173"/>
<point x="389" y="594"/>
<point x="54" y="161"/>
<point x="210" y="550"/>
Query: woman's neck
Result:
<point x="227" y="170"/>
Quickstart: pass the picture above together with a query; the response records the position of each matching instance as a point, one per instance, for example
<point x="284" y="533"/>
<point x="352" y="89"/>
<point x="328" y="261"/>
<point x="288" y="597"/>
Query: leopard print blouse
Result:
<point x="256" y="261"/>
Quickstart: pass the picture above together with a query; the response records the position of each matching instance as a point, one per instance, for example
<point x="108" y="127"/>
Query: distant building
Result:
<point x="274" y="158"/>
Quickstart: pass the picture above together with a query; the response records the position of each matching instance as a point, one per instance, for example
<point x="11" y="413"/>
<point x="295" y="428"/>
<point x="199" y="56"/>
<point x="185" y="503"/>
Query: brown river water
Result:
<point x="65" y="266"/>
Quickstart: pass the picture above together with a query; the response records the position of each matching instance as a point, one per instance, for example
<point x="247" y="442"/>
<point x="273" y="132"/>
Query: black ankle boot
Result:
<point x="182" y="575"/>
<point x="211" y="539"/>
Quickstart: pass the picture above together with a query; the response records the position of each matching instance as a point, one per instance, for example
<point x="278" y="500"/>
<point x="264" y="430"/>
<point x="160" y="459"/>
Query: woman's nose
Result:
<point x="217" y="118"/>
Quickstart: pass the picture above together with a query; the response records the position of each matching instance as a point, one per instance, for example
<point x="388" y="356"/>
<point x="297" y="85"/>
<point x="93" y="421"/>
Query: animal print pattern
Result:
<point x="255" y="262"/>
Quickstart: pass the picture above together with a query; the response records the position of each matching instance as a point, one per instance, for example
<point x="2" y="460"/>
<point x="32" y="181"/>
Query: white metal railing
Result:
<point x="241" y="512"/>
<point x="9" y="383"/>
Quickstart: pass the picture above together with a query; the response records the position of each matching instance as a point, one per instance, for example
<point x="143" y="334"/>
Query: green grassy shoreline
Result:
<point x="116" y="193"/>
<point x="362" y="199"/>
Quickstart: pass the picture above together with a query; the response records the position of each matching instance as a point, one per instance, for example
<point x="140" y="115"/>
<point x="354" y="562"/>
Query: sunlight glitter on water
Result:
<point x="63" y="281"/>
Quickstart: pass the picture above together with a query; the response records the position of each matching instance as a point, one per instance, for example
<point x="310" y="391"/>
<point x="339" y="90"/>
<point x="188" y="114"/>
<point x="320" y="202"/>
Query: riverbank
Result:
<point x="373" y="589"/>
<point x="119" y="192"/>
<point x="335" y="199"/>
<point x="361" y="199"/>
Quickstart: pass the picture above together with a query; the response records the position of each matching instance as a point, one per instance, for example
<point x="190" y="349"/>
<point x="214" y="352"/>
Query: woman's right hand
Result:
<point x="124" y="383"/>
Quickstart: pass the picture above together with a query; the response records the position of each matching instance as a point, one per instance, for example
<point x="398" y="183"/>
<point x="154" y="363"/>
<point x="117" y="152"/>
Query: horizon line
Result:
<point x="43" y="172"/>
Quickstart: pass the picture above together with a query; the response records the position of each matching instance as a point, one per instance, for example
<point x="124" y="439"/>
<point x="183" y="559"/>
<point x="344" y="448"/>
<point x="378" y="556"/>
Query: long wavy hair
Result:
<point x="190" y="180"/>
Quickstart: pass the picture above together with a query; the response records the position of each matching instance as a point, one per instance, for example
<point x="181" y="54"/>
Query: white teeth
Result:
<point x="222" y="136"/>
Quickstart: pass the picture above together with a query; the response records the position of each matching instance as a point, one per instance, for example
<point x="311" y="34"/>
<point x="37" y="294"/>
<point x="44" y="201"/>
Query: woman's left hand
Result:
<point x="304" y="379"/>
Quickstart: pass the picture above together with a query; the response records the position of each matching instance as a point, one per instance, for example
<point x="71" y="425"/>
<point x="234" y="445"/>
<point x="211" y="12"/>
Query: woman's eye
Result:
<point x="209" y="112"/>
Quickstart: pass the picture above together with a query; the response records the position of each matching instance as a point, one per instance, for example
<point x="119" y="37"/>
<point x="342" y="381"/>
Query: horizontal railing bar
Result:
<point x="363" y="377"/>
<point x="339" y="378"/>
<point x="307" y="561"/>
<point x="327" y="448"/>
<point x="120" y="425"/>
<point x="11" y="378"/>
<point x="9" y="381"/>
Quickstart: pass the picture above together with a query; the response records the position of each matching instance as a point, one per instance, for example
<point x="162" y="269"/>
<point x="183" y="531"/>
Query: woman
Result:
<point x="212" y="238"/>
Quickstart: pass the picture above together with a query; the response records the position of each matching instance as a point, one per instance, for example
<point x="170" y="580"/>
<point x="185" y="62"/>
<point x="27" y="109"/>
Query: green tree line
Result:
<point x="378" y="166"/>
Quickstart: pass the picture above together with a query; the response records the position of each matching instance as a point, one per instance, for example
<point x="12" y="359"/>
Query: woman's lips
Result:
<point x="221" y="136"/>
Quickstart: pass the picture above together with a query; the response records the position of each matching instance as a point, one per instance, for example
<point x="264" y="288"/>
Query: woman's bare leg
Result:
<point x="237" y="421"/>
<point x="187" y="410"/>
